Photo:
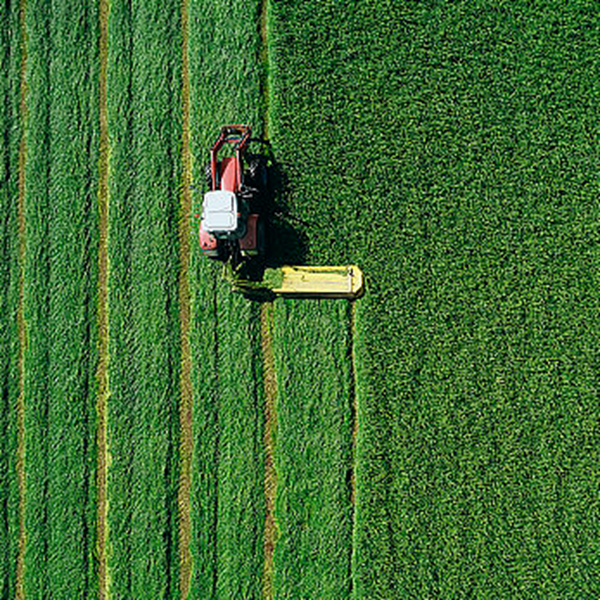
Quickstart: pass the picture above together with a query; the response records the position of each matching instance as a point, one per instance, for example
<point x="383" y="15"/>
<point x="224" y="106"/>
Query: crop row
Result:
<point x="227" y="497"/>
<point x="447" y="150"/>
<point x="59" y="299"/>
<point x="145" y="130"/>
<point x="10" y="130"/>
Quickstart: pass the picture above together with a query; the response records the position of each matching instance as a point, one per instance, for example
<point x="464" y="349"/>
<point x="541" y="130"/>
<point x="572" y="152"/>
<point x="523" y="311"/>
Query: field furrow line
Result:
<point x="269" y="376"/>
<point x="355" y="426"/>
<point x="103" y="325"/>
<point x="185" y="407"/>
<point x="20" y="312"/>
<point x="270" y="387"/>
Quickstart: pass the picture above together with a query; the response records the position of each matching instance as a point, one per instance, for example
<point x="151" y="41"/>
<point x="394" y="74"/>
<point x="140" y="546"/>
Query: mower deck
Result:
<point x="308" y="282"/>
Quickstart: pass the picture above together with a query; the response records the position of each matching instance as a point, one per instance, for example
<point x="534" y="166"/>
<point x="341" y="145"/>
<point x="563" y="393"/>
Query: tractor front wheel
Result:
<point x="208" y="175"/>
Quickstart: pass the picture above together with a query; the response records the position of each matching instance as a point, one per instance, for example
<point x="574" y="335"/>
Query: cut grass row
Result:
<point x="60" y="299"/>
<point x="313" y="450"/>
<point x="11" y="132"/>
<point x="145" y="130"/>
<point x="227" y="496"/>
<point x="459" y="173"/>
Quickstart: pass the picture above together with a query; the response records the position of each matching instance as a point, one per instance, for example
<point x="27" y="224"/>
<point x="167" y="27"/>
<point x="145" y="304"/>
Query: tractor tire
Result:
<point x="256" y="175"/>
<point x="219" y="253"/>
<point x="208" y="175"/>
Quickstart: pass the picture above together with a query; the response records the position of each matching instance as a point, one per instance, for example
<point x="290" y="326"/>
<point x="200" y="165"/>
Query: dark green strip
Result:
<point x="10" y="130"/>
<point x="36" y="298"/>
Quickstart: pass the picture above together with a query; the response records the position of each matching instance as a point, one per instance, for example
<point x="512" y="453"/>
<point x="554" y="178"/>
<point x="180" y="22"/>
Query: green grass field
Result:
<point x="465" y="184"/>
<point x="144" y="120"/>
<point x="10" y="129"/>
<point x="436" y="439"/>
<point x="59" y="290"/>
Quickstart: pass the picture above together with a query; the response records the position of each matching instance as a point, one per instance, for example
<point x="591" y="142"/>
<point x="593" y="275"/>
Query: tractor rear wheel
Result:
<point x="261" y="237"/>
<point x="256" y="175"/>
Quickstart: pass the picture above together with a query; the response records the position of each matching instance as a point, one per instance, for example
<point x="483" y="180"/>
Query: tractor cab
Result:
<point x="223" y="216"/>
<point x="230" y="225"/>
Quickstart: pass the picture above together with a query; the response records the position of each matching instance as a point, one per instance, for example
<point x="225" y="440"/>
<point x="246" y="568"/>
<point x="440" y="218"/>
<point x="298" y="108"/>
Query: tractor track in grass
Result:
<point x="354" y="421"/>
<point x="269" y="376"/>
<point x="103" y="325"/>
<point x="185" y="414"/>
<point x="270" y="387"/>
<point x="22" y="327"/>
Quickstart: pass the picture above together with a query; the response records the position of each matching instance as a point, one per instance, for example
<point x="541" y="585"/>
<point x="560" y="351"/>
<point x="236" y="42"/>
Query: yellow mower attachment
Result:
<point x="320" y="282"/>
<point x="307" y="282"/>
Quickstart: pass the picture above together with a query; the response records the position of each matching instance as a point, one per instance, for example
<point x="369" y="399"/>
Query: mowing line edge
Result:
<point x="21" y="324"/>
<point x="270" y="388"/>
<point x="103" y="324"/>
<point x="185" y="412"/>
<point x="354" y="418"/>
<point x="268" y="360"/>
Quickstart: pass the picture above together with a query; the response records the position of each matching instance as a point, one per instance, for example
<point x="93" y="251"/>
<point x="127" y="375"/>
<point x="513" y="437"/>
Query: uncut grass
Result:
<point x="10" y="130"/>
<point x="227" y="497"/>
<point x="59" y="299"/>
<point x="313" y="450"/>
<point x="463" y="185"/>
<point x="144" y="117"/>
<point x="36" y="295"/>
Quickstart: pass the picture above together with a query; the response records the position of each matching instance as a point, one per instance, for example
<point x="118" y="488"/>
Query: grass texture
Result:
<point x="10" y="130"/>
<point x="313" y="450"/>
<point x="449" y="151"/>
<point x="144" y="118"/>
<point x="59" y="299"/>
<point x="227" y="498"/>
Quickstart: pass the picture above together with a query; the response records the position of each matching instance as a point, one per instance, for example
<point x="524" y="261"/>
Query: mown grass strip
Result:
<point x="186" y="409"/>
<point x="354" y="410"/>
<point x="73" y="279"/>
<point x="227" y="471"/>
<point x="144" y="113"/>
<point x="313" y="450"/>
<point x="11" y="132"/>
<point x="266" y="343"/>
<point x="103" y="325"/>
<point x="270" y="385"/>
<point x="60" y="274"/>
<point x="122" y="368"/>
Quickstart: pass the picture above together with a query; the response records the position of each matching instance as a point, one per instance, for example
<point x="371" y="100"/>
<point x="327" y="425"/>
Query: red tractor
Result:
<point x="230" y="225"/>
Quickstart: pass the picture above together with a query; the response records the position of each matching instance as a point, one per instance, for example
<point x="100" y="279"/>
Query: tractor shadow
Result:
<point x="286" y="240"/>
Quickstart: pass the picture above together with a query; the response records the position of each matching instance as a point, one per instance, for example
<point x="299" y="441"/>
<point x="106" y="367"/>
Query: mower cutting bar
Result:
<point x="320" y="282"/>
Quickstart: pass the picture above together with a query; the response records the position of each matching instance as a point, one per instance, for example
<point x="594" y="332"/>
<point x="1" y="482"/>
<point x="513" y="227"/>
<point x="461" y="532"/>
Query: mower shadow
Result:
<point x="286" y="243"/>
